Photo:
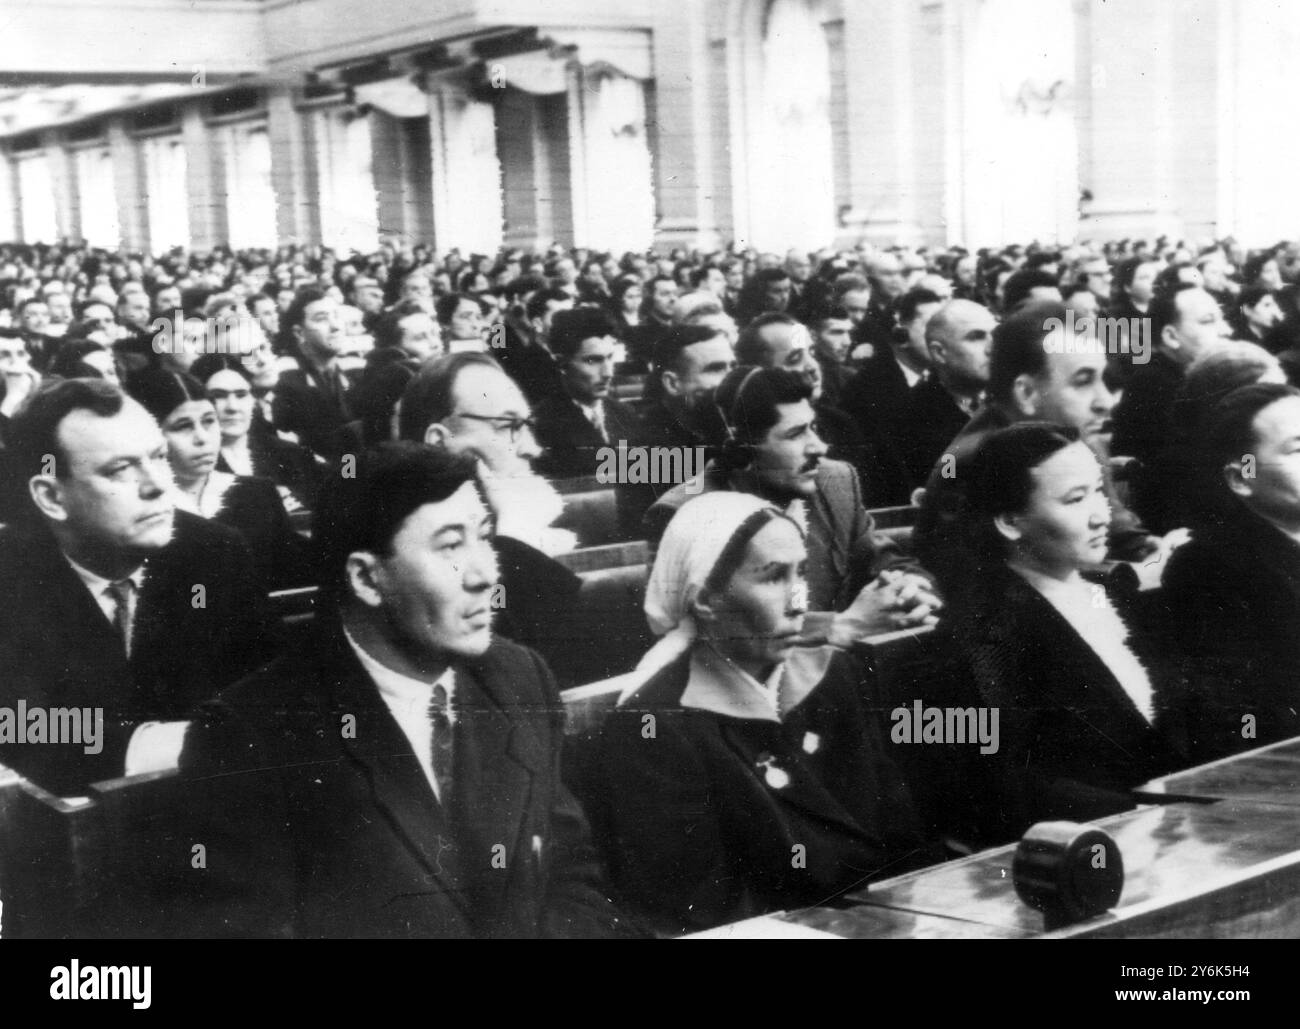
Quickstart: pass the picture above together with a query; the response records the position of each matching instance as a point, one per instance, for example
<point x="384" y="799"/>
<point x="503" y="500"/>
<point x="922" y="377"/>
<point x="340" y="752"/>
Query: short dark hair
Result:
<point x="69" y="361"/>
<point x="445" y="306"/>
<point x="365" y="512"/>
<point x="34" y="429"/>
<point x="160" y="392"/>
<point x="912" y="301"/>
<point x="252" y="300"/>
<point x="750" y="348"/>
<point x="297" y="312"/>
<point x="537" y="302"/>
<point x="430" y="397"/>
<point x="1229" y="430"/>
<point x="209" y="364"/>
<point x="1254" y="265"/>
<point x="1021" y="285"/>
<point x="1018" y="345"/>
<point x="748" y="398"/>
<point x="388" y="329"/>
<point x="833" y="313"/>
<point x="1164" y="309"/>
<point x="668" y="349"/>
<point x="1252" y="295"/>
<point x="570" y="328"/>
<point x="999" y="481"/>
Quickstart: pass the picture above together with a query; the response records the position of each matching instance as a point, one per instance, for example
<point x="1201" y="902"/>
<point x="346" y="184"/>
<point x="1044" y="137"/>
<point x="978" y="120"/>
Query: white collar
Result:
<point x="399" y="690"/>
<point x="719" y="685"/>
<point x="97" y="584"/>
<point x="211" y="499"/>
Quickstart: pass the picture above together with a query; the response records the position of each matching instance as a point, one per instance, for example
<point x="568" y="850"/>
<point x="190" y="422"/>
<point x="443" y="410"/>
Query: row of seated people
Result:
<point x="104" y="604"/>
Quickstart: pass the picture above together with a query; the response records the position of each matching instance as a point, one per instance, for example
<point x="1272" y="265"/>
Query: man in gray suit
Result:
<point x="774" y="451"/>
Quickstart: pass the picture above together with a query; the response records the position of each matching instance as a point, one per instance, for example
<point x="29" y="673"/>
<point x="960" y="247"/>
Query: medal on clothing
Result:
<point x="811" y="743"/>
<point x="777" y="778"/>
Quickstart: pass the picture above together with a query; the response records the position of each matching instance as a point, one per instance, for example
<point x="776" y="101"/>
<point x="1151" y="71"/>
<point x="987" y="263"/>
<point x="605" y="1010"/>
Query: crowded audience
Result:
<point x="701" y="486"/>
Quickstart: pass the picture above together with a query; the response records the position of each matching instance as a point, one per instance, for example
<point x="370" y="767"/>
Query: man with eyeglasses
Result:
<point x="466" y="404"/>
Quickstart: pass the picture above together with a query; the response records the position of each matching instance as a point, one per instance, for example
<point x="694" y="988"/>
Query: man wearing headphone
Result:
<point x="858" y="579"/>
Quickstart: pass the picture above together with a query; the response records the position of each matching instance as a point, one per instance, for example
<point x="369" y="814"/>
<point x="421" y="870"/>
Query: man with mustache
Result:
<point x="113" y="599"/>
<point x="858" y="579"/>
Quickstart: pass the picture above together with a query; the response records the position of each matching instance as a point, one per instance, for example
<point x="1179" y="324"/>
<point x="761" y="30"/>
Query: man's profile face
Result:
<point x="1265" y="314"/>
<point x="701" y="369"/>
<point x="589" y="373"/>
<point x="1274" y="489"/>
<point x="1097" y="276"/>
<point x="664" y="299"/>
<point x="790" y="347"/>
<point x="1199" y="326"/>
<point x="834" y="338"/>
<point x="367" y="294"/>
<point x="962" y="344"/>
<point x="857" y="302"/>
<point x="916" y="346"/>
<point x="114" y="486"/>
<point x="418" y="289"/>
<point x="1214" y="274"/>
<point x="715" y="282"/>
<point x="543" y="324"/>
<point x="964" y="271"/>
<point x="786" y="461"/>
<point x="421" y="337"/>
<point x="887" y="271"/>
<point x="133" y="310"/>
<point x="1072" y="391"/>
<point x="466" y="322"/>
<point x="435" y="583"/>
<point x="321" y="331"/>
<point x="776" y="294"/>
<point x="483" y="393"/>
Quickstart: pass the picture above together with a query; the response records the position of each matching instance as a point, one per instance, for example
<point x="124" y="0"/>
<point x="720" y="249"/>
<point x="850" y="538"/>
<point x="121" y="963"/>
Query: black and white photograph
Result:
<point x="650" y="469"/>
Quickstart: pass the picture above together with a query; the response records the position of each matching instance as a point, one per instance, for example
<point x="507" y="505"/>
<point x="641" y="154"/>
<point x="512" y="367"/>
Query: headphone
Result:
<point x="735" y="454"/>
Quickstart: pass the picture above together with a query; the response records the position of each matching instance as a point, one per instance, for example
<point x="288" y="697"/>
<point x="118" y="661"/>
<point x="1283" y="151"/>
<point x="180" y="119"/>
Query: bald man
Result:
<point x="958" y="338"/>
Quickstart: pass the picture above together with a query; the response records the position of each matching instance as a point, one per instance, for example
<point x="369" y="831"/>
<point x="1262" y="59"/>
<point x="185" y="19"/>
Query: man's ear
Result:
<point x="1236" y="479"/>
<point x="364" y="575"/>
<point x="47" y="494"/>
<point x="1025" y="395"/>
<point x="935" y="349"/>
<point x="1169" y="338"/>
<point x="671" y="382"/>
<point x="436" y="435"/>
<point x="1007" y="527"/>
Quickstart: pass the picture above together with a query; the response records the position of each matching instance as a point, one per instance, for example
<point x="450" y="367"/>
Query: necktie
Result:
<point x="121" y="592"/>
<point x="440" y="718"/>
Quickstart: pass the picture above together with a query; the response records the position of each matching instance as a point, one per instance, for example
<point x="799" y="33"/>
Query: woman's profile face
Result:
<point x="757" y="618"/>
<point x="1064" y="525"/>
<point x="193" y="439"/>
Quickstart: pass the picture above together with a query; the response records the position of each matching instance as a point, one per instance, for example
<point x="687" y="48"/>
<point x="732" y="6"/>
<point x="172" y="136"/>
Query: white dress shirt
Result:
<point x="408" y="701"/>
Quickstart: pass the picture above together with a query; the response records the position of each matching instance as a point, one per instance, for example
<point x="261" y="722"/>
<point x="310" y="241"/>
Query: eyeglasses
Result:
<point x="503" y="423"/>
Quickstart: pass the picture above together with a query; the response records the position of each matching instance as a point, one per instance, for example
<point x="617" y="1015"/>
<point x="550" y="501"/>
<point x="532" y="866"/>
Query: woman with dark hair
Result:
<point x="1080" y="685"/>
<point x="249" y="444"/>
<point x="189" y="421"/>
<point x="745" y="773"/>
<point x="626" y="295"/>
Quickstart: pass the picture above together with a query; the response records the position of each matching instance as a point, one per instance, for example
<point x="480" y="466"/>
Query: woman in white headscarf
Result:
<point x="745" y="774"/>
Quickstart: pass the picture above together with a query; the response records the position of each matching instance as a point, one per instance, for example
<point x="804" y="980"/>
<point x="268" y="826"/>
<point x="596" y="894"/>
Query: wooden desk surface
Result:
<point x="1191" y="870"/>
<point x="1267" y="775"/>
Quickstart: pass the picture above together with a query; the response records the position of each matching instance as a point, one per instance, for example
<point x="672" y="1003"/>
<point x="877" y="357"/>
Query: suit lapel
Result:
<point x="398" y="787"/>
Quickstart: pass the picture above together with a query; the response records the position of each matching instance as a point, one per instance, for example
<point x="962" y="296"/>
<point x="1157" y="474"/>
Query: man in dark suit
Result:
<point x="775" y="452"/>
<point x="399" y="778"/>
<point x="311" y="401"/>
<point x="113" y="600"/>
<point x="1184" y="325"/>
<point x="465" y="404"/>
<point x="527" y="357"/>
<point x="576" y="425"/>
<point x="1233" y="592"/>
<point x="958" y="336"/>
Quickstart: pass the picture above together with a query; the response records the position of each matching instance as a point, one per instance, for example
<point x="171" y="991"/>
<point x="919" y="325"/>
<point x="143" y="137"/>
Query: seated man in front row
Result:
<point x="774" y="451"/>
<point x="398" y="776"/>
<point x="117" y="611"/>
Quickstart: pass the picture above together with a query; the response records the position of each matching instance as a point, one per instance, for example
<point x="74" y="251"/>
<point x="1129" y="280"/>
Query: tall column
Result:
<point x="466" y="173"/>
<point x="205" y="175"/>
<point x="63" y="181"/>
<point x="293" y="168"/>
<point x="128" y="185"/>
<point x="527" y="218"/>
<point x="687" y="95"/>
